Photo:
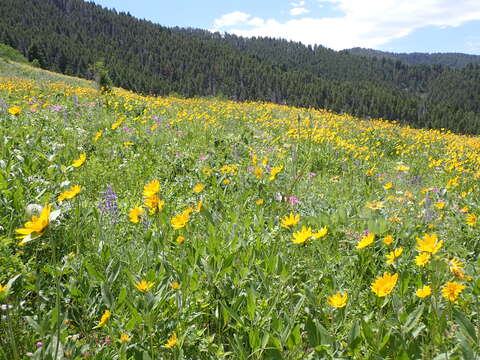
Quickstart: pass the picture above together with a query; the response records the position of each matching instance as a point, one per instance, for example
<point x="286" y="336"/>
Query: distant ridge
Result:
<point x="453" y="60"/>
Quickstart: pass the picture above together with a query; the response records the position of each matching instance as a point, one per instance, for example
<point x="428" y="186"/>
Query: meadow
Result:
<point x="136" y="227"/>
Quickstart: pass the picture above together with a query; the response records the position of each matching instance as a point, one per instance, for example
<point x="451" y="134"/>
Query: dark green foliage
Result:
<point x="454" y="60"/>
<point x="69" y="36"/>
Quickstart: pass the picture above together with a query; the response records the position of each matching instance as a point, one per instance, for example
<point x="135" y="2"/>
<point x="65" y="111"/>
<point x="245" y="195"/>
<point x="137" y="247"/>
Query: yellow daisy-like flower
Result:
<point x="3" y="288"/>
<point x="144" y="285"/>
<point x="388" y="240"/>
<point x="128" y="143"/>
<point x="321" y="233"/>
<point x="303" y="235"/>
<point x="383" y="285"/>
<point x="135" y="213"/>
<point x="424" y="292"/>
<point x="207" y="171"/>
<point x="98" y="135"/>
<point x="69" y="194"/>
<point x="440" y="205"/>
<point x="375" y="205"/>
<point x="289" y="220"/>
<point x="35" y="227"/>
<point x="429" y="244"/>
<point x="80" y="161"/>
<point x="180" y="239"/>
<point x="104" y="319"/>
<point x="172" y="341"/>
<point x="388" y="186"/>
<point x="452" y="290"/>
<point x="274" y="172"/>
<point x="366" y="241"/>
<point x="471" y="219"/>
<point x="198" y="188"/>
<point x="151" y="189"/>
<point x="259" y="202"/>
<point x="154" y="204"/>
<point x="456" y="267"/>
<point x="175" y="285"/>
<point x="15" y="110"/>
<point x="393" y="255"/>
<point x="338" y="300"/>
<point x="181" y="220"/>
<point x="124" y="338"/>
<point x="117" y="123"/>
<point x="403" y="168"/>
<point x="199" y="205"/>
<point x="258" y="172"/>
<point x="422" y="259"/>
<point x="226" y="181"/>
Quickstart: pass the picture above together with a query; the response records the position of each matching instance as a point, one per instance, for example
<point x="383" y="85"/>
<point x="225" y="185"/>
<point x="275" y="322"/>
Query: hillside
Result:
<point x="141" y="227"/>
<point x="70" y="35"/>
<point x="453" y="60"/>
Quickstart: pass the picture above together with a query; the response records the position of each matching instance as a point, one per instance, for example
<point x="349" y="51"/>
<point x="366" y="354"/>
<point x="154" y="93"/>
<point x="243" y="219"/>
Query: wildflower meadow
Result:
<point x="138" y="227"/>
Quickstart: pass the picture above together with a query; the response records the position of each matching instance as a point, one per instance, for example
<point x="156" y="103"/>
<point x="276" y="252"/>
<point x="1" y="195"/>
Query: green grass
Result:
<point x="245" y="289"/>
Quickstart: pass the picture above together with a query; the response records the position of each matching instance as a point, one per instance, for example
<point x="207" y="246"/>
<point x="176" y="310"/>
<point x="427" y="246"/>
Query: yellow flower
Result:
<point x="144" y="285"/>
<point x="365" y="241"/>
<point x="290" y="220"/>
<point x="104" y="319"/>
<point x="69" y="194"/>
<point x="198" y="188"/>
<point x="429" y="243"/>
<point x="393" y="255"/>
<point x="375" y="205"/>
<point x="388" y="240"/>
<point x="456" y="267"/>
<point x="180" y="239"/>
<point x="440" y="204"/>
<point x="226" y="181"/>
<point x="128" y="143"/>
<point x="254" y="159"/>
<point x="15" y="110"/>
<point x="124" y="338"/>
<point x="98" y="135"/>
<point x="274" y="172"/>
<point x="424" y="292"/>
<point x="260" y="202"/>
<point x="79" y="162"/>
<point x="154" y="203"/>
<point x="471" y="219"/>
<point x="206" y="171"/>
<point x="258" y="172"/>
<point x="135" y="213"/>
<point x="151" y="189"/>
<point x="199" y="205"/>
<point x="384" y="285"/>
<point x="338" y="300"/>
<point x="35" y="227"/>
<point x="181" y="220"/>
<point x="403" y="168"/>
<point x="175" y="285"/>
<point x="369" y="172"/>
<point x="395" y="219"/>
<point x="303" y="235"/>
<point x="422" y="259"/>
<point x="172" y="341"/>
<point x="3" y="288"/>
<point x="452" y="183"/>
<point x="117" y="123"/>
<point x="320" y="234"/>
<point x="388" y="186"/>
<point x="452" y="290"/>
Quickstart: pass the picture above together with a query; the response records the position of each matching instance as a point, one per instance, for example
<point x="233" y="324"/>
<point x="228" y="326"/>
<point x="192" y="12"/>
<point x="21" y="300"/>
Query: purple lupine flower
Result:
<point x="108" y="204"/>
<point x="56" y="107"/>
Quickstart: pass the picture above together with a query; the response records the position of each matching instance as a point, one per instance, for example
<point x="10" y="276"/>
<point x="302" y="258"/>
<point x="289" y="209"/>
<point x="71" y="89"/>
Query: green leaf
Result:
<point x="467" y="327"/>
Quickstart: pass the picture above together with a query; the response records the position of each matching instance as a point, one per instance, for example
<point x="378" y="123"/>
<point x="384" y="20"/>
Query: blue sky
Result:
<point x="391" y="25"/>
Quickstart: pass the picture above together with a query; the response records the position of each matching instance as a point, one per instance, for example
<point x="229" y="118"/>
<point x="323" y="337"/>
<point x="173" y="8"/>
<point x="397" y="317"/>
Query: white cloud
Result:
<point x="366" y="23"/>
<point x="231" y="19"/>
<point x="298" y="11"/>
